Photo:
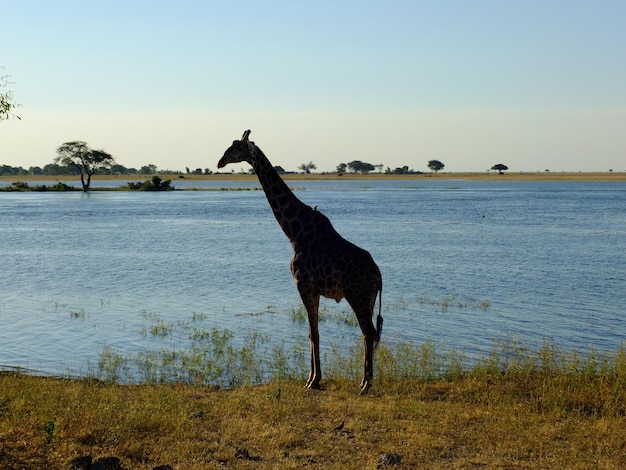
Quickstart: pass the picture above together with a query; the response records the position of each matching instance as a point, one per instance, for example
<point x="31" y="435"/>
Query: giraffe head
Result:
<point x="241" y="151"/>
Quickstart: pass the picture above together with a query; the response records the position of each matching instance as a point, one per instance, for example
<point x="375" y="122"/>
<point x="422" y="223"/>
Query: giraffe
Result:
<point x="323" y="263"/>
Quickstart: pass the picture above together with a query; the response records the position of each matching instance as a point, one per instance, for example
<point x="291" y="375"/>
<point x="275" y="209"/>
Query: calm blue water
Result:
<point x="464" y="263"/>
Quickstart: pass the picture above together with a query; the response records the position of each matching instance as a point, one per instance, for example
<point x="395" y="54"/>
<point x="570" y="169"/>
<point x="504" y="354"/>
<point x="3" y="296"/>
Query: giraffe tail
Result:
<point x="379" y="317"/>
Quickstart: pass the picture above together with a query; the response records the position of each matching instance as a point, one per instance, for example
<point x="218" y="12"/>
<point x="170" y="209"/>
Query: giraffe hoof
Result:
<point x="313" y="384"/>
<point x="365" y="386"/>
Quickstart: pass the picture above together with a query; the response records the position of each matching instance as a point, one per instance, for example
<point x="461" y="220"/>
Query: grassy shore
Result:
<point x="482" y="176"/>
<point x="546" y="410"/>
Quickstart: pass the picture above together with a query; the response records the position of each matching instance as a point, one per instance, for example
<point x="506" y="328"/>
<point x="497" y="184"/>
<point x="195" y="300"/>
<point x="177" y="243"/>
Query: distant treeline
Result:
<point x="54" y="169"/>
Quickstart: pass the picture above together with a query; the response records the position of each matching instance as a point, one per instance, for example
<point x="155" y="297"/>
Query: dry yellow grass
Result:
<point x="493" y="421"/>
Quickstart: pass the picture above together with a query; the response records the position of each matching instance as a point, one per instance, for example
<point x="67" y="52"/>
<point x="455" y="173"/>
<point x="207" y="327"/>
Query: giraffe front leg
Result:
<point x="311" y="304"/>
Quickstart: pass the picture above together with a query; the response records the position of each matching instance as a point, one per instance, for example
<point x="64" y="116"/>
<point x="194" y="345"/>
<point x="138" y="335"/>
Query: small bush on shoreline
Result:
<point x="154" y="184"/>
<point x="22" y="186"/>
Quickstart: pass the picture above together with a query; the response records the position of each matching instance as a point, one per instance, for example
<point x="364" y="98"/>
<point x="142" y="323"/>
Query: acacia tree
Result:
<point x="307" y="167"/>
<point x="87" y="161"/>
<point x="357" y="166"/>
<point x="435" y="165"/>
<point x="7" y="105"/>
<point x="500" y="167"/>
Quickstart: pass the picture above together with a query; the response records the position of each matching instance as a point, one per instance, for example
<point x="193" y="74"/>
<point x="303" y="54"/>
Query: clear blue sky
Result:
<point x="533" y="84"/>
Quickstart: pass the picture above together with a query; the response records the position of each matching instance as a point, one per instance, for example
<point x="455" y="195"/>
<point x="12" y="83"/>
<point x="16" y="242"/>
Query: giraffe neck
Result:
<point x="286" y="207"/>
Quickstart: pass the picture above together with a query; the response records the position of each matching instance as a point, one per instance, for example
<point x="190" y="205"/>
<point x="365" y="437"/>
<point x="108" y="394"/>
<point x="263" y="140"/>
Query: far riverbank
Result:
<point x="479" y="176"/>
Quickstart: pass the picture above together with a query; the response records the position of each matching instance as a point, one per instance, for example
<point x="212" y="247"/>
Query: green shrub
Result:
<point x="154" y="184"/>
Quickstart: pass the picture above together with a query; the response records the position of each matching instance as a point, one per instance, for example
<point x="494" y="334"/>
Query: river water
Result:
<point x="464" y="263"/>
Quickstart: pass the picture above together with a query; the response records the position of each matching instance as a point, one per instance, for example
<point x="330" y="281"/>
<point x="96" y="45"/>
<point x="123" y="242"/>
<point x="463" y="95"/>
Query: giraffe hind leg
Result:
<point x="369" y="340"/>
<point x="363" y="312"/>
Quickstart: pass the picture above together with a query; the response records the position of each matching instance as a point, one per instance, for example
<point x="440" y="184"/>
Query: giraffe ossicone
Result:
<point x="323" y="264"/>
